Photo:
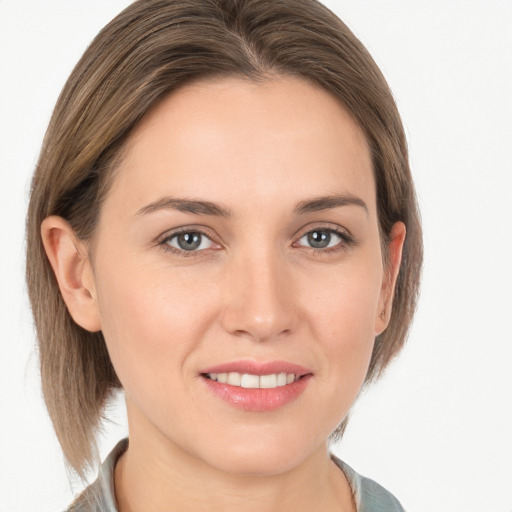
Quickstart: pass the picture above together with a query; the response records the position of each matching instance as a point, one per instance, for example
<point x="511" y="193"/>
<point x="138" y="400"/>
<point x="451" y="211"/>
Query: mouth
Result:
<point x="257" y="387"/>
<point x="251" y="381"/>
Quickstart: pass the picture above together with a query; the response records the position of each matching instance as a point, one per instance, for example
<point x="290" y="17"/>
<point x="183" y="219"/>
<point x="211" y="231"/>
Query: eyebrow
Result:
<point x="329" y="202"/>
<point x="199" y="207"/>
<point x="185" y="205"/>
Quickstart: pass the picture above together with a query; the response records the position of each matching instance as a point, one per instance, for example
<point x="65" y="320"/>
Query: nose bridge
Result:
<point x="259" y="296"/>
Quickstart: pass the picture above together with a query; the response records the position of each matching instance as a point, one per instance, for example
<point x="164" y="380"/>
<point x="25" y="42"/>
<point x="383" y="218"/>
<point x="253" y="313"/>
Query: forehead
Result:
<point x="238" y="141"/>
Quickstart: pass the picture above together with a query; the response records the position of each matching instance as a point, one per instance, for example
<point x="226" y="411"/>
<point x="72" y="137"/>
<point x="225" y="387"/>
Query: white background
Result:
<point x="437" y="430"/>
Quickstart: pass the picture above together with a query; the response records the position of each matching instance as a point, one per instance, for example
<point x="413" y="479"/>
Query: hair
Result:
<point x="149" y="50"/>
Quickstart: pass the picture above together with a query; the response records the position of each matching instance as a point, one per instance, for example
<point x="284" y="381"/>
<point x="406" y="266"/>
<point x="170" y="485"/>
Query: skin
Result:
<point x="254" y="290"/>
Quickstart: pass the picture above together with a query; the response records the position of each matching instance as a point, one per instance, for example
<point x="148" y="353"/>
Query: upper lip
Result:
<point x="258" y="368"/>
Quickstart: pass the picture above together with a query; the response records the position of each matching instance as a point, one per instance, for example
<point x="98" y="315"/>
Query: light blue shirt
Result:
<point x="369" y="496"/>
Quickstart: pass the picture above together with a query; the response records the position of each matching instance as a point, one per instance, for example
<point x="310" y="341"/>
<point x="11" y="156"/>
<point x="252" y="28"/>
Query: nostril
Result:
<point x="260" y="334"/>
<point x="259" y="312"/>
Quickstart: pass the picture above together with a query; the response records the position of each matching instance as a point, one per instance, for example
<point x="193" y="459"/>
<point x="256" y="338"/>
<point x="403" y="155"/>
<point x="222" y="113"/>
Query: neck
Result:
<point x="153" y="476"/>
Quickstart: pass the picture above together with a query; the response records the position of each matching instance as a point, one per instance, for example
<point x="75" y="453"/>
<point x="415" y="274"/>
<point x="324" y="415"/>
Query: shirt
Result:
<point x="369" y="496"/>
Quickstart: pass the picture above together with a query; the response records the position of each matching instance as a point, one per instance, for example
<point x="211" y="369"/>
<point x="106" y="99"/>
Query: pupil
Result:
<point x="319" y="239"/>
<point x="189" y="241"/>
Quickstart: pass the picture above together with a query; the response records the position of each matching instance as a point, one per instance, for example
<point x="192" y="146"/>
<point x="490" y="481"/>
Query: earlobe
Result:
<point x="70" y="262"/>
<point x="395" y="247"/>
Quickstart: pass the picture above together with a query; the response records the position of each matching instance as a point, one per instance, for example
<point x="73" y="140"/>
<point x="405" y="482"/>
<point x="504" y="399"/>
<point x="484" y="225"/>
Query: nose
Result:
<point x="259" y="298"/>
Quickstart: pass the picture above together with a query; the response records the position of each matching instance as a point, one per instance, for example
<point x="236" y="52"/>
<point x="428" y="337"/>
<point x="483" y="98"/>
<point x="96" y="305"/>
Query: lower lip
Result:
<point x="258" y="400"/>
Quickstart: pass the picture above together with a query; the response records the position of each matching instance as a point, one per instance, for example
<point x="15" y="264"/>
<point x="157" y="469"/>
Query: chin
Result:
<point x="260" y="455"/>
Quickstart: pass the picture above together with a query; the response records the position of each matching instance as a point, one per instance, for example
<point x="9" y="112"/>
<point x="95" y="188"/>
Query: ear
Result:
<point x="391" y="270"/>
<point x="70" y="262"/>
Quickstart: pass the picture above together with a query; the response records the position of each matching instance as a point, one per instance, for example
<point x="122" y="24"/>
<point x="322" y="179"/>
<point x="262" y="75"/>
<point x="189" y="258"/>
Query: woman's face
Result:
<point x="238" y="272"/>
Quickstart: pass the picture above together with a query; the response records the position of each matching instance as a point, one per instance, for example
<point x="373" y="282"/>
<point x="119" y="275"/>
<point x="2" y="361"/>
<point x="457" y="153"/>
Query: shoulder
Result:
<point x="99" y="496"/>
<point x="368" y="494"/>
<point x="90" y="500"/>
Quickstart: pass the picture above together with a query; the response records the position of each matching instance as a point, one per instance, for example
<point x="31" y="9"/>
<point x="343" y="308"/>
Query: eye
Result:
<point x="323" y="239"/>
<point x="188" y="241"/>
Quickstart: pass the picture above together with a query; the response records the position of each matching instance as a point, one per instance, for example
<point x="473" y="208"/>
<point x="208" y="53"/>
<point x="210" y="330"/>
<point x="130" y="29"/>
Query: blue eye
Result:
<point x="189" y="241"/>
<point x="322" y="239"/>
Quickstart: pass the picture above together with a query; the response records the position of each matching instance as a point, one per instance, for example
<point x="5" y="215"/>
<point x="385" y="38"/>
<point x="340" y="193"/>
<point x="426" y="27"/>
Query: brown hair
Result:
<point x="152" y="48"/>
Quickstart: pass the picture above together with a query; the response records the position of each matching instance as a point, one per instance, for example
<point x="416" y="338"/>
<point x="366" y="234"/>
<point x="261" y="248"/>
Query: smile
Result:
<point x="257" y="386"/>
<point x="250" y="381"/>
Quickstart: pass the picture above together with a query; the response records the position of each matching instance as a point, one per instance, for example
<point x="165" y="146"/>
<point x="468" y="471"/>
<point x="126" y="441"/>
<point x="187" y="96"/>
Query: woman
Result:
<point x="222" y="223"/>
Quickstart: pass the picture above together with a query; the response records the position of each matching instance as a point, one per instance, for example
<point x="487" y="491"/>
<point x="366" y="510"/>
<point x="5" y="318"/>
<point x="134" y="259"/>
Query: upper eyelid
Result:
<point x="167" y="235"/>
<point x="332" y="231"/>
<point x="344" y="239"/>
<point x="327" y="226"/>
<point x="163" y="240"/>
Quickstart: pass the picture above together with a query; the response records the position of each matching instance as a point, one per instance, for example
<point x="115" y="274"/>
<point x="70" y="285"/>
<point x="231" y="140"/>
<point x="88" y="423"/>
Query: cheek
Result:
<point x="342" y="315"/>
<point x="151" y="318"/>
<point x="344" y="302"/>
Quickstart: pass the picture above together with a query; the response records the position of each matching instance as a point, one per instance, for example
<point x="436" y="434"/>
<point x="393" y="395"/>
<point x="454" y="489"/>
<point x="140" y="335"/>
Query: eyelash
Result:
<point x="346" y="241"/>
<point x="164" y="242"/>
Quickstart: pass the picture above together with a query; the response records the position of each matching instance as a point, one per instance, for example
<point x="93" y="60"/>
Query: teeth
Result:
<point x="268" y="381"/>
<point x="281" y="379"/>
<point x="235" y="379"/>
<point x="249" y="381"/>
